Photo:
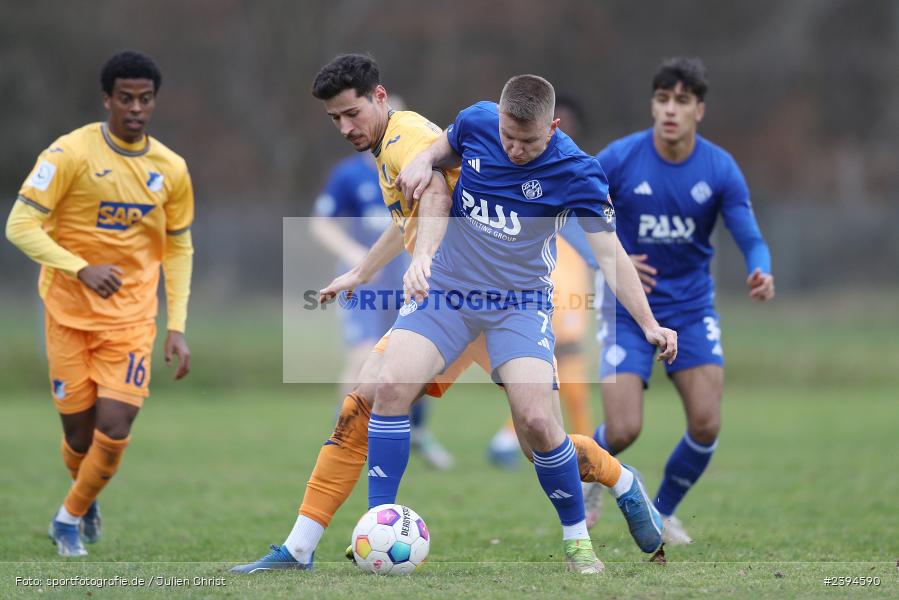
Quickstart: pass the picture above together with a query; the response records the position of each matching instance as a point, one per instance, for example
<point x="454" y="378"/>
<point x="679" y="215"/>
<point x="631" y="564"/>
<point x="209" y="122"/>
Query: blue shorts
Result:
<point x="360" y="327"/>
<point x="368" y="314"/>
<point x="452" y="318"/>
<point x="625" y="349"/>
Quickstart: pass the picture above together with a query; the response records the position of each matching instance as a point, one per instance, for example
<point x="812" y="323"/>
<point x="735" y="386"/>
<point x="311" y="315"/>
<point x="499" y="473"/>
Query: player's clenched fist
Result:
<point x="665" y="339"/>
<point x="102" y="279"/>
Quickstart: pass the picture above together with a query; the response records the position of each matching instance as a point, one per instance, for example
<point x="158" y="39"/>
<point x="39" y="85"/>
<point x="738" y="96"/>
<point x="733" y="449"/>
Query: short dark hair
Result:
<point x="347" y="71"/>
<point x="129" y="64"/>
<point x="687" y="70"/>
<point x="528" y="98"/>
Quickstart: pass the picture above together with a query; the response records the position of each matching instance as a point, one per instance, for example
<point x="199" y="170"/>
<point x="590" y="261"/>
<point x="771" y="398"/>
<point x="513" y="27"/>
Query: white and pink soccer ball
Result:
<point x="390" y="539"/>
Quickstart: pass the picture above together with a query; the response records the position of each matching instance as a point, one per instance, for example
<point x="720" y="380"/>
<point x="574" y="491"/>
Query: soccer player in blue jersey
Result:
<point x="521" y="179"/>
<point x="669" y="185"/>
<point x="349" y="217"/>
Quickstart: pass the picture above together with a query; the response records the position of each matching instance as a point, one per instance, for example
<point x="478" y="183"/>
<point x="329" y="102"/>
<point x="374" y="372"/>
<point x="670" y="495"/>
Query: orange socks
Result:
<point x="594" y="463"/>
<point x="97" y="468"/>
<point x="71" y="458"/>
<point x="575" y="393"/>
<point x="339" y="462"/>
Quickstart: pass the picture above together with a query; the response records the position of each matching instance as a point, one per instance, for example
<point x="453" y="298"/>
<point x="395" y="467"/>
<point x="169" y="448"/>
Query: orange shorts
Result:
<point x="571" y="297"/>
<point x="476" y="352"/>
<point x="85" y="365"/>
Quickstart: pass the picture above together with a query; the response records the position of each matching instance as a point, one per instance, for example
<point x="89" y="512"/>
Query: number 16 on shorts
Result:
<point x="136" y="374"/>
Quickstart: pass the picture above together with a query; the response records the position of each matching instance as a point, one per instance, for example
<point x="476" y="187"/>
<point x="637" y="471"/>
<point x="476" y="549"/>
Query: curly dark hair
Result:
<point x="129" y="64"/>
<point x="687" y="70"/>
<point x="347" y="71"/>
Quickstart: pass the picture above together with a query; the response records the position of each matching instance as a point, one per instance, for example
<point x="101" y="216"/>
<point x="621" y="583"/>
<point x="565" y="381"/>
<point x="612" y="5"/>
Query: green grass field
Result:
<point x="803" y="487"/>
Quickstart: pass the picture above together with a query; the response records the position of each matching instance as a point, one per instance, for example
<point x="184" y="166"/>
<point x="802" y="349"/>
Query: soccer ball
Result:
<point x="390" y="539"/>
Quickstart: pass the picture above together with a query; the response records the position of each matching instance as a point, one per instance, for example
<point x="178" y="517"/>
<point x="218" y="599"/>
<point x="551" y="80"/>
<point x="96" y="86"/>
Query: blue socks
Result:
<point x="419" y="413"/>
<point x="600" y="436"/>
<point x="685" y="465"/>
<point x="388" y="455"/>
<point x="559" y="477"/>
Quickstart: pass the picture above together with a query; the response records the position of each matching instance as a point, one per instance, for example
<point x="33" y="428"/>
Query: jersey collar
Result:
<point x="121" y="146"/>
<point x="377" y="149"/>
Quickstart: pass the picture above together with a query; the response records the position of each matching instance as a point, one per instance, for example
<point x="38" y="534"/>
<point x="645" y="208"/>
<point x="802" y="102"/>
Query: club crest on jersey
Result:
<point x="154" y="183"/>
<point x="408" y="308"/>
<point x="532" y="189"/>
<point x="701" y="192"/>
<point x="121" y="215"/>
<point x="609" y="213"/>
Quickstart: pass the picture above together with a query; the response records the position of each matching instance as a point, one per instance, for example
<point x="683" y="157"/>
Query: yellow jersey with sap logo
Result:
<point x="408" y="133"/>
<point x="113" y="202"/>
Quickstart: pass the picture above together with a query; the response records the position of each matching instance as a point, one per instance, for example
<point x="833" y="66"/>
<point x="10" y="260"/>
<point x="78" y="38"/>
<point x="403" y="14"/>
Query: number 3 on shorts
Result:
<point x="137" y="373"/>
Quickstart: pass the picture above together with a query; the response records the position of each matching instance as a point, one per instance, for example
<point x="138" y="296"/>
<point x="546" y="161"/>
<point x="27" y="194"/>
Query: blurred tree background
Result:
<point x="803" y="93"/>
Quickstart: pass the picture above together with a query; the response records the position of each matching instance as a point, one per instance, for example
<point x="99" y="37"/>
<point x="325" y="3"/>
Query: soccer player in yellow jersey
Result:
<point x="103" y="208"/>
<point x="357" y="103"/>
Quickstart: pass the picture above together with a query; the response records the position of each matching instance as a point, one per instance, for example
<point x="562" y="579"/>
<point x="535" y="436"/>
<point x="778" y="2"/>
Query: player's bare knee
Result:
<point x="117" y="430"/>
<point x="620" y="437"/>
<point x="366" y="390"/>
<point x="79" y="440"/>
<point x="705" y="430"/>
<point x="389" y="398"/>
<point x="78" y="430"/>
<point x="540" y="430"/>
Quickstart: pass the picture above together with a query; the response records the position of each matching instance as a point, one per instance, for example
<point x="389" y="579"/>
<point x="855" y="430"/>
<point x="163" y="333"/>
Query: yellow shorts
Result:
<point x="476" y="352"/>
<point x="85" y="365"/>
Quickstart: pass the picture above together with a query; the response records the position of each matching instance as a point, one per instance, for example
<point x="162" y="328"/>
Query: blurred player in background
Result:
<point x="104" y="207"/>
<point x="669" y="185"/>
<point x="358" y="105"/>
<point x="571" y="314"/>
<point x="349" y="217"/>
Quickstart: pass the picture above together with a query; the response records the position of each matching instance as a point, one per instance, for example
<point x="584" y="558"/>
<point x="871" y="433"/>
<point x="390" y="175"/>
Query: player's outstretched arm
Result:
<point x="388" y="247"/>
<point x="336" y="240"/>
<point x="433" y="215"/>
<point x="415" y="177"/>
<point x="736" y="210"/>
<point x="625" y="283"/>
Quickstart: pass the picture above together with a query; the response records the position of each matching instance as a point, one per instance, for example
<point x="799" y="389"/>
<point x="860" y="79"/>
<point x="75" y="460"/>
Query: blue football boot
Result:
<point x="91" y="524"/>
<point x="643" y="520"/>
<point x="279" y="558"/>
<point x="67" y="538"/>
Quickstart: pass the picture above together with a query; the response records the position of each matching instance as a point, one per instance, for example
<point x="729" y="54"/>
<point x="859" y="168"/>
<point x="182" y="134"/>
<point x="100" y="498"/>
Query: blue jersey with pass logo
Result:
<point x="507" y="216"/>
<point x="668" y="212"/>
